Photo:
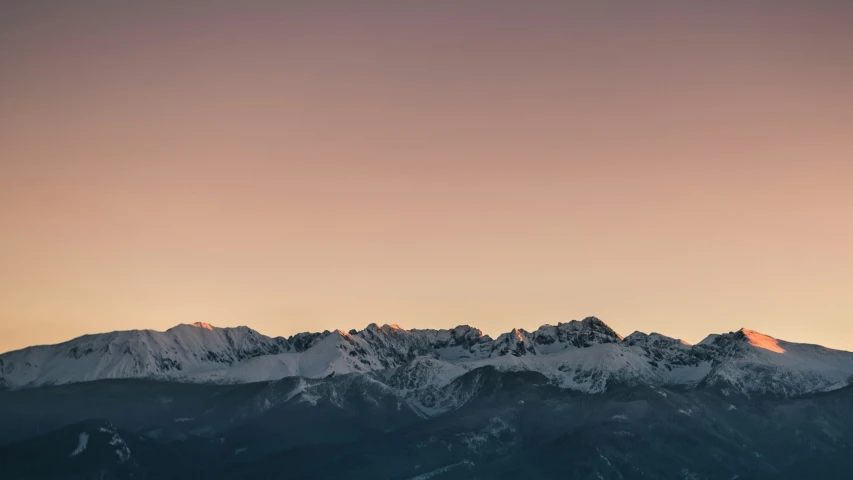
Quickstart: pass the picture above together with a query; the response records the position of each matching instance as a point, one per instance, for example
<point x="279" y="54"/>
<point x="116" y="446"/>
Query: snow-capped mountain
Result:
<point x="454" y="403"/>
<point x="750" y="362"/>
<point x="586" y="356"/>
<point x="175" y="353"/>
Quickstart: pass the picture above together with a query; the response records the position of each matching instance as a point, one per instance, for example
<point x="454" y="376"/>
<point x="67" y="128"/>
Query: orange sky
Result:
<point x="668" y="168"/>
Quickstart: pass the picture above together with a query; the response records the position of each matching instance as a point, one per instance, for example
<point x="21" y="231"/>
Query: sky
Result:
<point x="302" y="166"/>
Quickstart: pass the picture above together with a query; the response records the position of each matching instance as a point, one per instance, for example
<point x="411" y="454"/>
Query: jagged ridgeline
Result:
<point x="573" y="400"/>
<point x="586" y="356"/>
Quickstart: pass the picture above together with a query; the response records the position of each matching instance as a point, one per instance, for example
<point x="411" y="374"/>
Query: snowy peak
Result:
<point x="760" y="340"/>
<point x="749" y="362"/>
<point x="578" y="334"/>
<point x="654" y="340"/>
<point x="463" y="337"/>
<point x="305" y="340"/>
<point x="744" y="340"/>
<point x="138" y="353"/>
<point x="517" y="343"/>
<point x="203" y="325"/>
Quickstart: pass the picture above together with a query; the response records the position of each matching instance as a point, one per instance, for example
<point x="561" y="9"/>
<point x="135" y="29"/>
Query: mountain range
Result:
<point x="572" y="400"/>
<point x="584" y="356"/>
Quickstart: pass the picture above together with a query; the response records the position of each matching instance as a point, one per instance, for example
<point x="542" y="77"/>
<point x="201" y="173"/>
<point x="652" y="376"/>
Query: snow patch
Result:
<point x="82" y="442"/>
<point x="122" y="450"/>
<point x="425" y="476"/>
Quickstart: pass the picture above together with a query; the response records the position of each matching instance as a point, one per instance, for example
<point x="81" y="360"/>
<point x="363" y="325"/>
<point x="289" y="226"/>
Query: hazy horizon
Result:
<point x="674" y="168"/>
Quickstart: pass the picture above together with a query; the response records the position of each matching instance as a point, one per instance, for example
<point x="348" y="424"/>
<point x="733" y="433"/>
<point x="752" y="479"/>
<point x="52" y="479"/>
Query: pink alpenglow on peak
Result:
<point x="203" y="325"/>
<point x="762" y="341"/>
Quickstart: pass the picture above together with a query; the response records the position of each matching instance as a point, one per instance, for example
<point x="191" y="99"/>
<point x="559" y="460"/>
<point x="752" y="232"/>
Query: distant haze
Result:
<point x="298" y="166"/>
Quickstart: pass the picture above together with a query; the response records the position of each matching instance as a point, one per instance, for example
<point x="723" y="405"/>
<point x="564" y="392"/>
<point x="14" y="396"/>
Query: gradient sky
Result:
<point x="665" y="167"/>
